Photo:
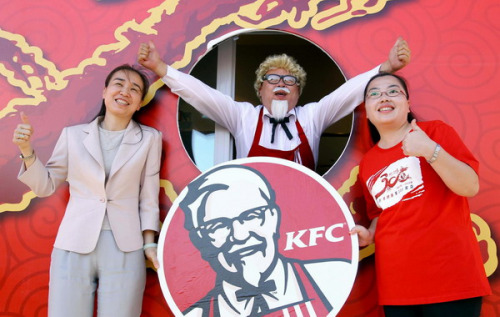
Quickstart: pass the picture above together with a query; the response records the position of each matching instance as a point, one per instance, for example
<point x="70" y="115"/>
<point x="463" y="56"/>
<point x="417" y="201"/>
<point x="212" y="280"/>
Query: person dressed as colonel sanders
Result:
<point x="277" y="127"/>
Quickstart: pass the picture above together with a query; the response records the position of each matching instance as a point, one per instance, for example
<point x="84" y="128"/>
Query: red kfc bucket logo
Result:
<point x="258" y="237"/>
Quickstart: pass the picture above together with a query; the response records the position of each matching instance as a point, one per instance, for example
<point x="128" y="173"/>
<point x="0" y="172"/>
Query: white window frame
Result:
<point x="226" y="69"/>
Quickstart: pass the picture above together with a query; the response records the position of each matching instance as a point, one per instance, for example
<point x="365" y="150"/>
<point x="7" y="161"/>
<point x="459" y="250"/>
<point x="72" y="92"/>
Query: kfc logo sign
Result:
<point x="258" y="237"/>
<point x="295" y="239"/>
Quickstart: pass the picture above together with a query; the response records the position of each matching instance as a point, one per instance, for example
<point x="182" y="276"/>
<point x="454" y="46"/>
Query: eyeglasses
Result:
<point x="375" y="94"/>
<point x="220" y="228"/>
<point x="273" y="79"/>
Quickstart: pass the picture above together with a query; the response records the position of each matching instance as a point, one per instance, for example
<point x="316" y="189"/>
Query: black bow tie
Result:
<point x="260" y="305"/>
<point x="283" y="123"/>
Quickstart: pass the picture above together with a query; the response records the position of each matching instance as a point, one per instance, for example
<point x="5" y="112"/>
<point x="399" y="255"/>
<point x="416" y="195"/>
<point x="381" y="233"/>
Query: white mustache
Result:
<point x="251" y="242"/>
<point x="285" y="89"/>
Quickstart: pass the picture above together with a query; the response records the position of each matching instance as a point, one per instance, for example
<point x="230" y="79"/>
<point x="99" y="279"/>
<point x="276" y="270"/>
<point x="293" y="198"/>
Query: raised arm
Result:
<point x="149" y="57"/>
<point x="210" y="102"/>
<point x="399" y="57"/>
<point x="349" y="95"/>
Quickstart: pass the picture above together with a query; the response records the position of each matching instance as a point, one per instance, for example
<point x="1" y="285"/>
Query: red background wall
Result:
<point x="54" y="56"/>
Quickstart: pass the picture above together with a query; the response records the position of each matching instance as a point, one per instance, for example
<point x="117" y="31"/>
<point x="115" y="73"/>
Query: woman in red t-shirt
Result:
<point x="416" y="181"/>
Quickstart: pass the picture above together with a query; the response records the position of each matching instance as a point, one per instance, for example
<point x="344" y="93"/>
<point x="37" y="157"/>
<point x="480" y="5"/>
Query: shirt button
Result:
<point x="102" y="200"/>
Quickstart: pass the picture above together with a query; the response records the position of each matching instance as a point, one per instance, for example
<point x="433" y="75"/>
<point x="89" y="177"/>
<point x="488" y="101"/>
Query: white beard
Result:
<point x="279" y="109"/>
<point x="250" y="274"/>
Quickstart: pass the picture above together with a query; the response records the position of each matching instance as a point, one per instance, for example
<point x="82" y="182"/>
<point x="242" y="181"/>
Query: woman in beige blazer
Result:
<point x="112" y="166"/>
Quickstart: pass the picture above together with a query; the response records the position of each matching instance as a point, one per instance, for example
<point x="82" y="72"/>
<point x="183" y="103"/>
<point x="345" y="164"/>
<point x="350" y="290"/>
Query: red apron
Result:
<point x="302" y="154"/>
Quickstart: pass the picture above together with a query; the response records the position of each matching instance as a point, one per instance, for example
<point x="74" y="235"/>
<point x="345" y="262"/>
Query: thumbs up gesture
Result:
<point x="22" y="135"/>
<point x="399" y="56"/>
<point x="417" y="142"/>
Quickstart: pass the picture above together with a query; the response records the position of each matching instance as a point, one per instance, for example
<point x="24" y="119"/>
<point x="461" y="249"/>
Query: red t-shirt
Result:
<point x="426" y="250"/>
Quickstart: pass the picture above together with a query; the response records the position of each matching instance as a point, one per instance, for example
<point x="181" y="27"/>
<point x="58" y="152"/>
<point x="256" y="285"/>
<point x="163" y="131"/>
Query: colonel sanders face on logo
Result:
<point x="233" y="220"/>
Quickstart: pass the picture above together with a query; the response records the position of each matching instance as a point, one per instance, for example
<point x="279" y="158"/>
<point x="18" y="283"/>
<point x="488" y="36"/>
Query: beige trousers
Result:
<point x="118" y="277"/>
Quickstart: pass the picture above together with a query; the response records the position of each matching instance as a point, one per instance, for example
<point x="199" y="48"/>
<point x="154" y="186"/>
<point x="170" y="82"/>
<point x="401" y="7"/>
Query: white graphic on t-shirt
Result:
<point x="402" y="180"/>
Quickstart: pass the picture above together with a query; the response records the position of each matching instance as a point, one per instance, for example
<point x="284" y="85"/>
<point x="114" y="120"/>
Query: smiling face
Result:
<point x="243" y="228"/>
<point x="280" y="91"/>
<point x="384" y="110"/>
<point x="123" y="94"/>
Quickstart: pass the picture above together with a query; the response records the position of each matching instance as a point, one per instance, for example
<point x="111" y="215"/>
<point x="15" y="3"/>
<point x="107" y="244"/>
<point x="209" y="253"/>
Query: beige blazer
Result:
<point x="130" y="195"/>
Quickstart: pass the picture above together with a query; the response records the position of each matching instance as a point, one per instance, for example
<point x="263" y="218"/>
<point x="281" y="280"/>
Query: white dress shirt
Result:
<point x="241" y="118"/>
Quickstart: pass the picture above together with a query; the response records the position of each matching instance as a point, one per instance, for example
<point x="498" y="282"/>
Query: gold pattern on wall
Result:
<point x="484" y="236"/>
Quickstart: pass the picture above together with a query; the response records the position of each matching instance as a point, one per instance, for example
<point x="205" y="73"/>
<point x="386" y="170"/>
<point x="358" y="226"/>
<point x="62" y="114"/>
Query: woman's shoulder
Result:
<point x="78" y="127"/>
<point x="436" y="127"/>
<point x="82" y="126"/>
<point x="432" y="124"/>
<point x="148" y="128"/>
